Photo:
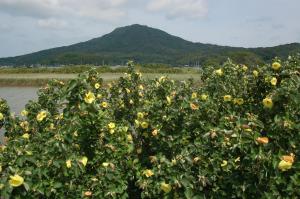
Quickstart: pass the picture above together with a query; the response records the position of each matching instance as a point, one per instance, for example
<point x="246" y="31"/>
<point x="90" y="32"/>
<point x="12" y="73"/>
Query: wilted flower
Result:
<point x="194" y="106"/>
<point x="88" y="193"/>
<point x="155" y="132"/>
<point x="262" y="140"/>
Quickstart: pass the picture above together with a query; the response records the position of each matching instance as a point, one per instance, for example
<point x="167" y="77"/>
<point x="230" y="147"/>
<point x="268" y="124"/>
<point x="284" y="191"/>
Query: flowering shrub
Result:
<point x="237" y="135"/>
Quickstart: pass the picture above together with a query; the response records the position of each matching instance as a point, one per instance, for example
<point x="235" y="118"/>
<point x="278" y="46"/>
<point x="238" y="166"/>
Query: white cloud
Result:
<point x="52" y="23"/>
<point x="46" y="10"/>
<point x="189" y="9"/>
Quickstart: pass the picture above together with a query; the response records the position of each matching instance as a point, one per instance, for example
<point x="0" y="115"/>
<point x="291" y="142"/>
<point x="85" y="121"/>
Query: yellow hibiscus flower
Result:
<point x="140" y="115"/>
<point x="276" y="66"/>
<point x="255" y="73"/>
<point x="165" y="187"/>
<point x="219" y="72"/>
<point x="69" y="163"/>
<point x="84" y="160"/>
<point x="267" y="102"/>
<point x="104" y="104"/>
<point x="194" y="95"/>
<point x="97" y="86"/>
<point x="148" y="173"/>
<point x="111" y="125"/>
<point x="274" y="81"/>
<point x="89" y="97"/>
<point x="41" y="116"/>
<point x="16" y="180"/>
<point x="144" y="125"/>
<point x="204" y="97"/>
<point x="238" y="101"/>
<point x="24" y="113"/>
<point x="25" y="136"/>
<point x="227" y="98"/>
<point x="284" y="165"/>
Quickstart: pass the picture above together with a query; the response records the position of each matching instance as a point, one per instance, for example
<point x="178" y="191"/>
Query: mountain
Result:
<point x="147" y="45"/>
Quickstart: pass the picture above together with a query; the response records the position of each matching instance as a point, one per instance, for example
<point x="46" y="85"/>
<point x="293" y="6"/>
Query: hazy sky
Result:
<point x="31" y="25"/>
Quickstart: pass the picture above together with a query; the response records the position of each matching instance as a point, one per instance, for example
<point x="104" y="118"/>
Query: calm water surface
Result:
<point x="17" y="98"/>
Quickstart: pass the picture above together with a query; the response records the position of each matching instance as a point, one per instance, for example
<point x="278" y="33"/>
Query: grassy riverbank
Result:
<point x="40" y="79"/>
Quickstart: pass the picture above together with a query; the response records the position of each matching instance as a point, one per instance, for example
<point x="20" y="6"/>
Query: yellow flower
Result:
<point x="148" y="173"/>
<point x="24" y="113"/>
<point x="255" y="73"/>
<point x="162" y="79"/>
<point x="262" y="140"/>
<point x="194" y="95"/>
<point x="238" y="101"/>
<point x="169" y="100"/>
<point x="144" y="125"/>
<point x="0" y="168"/>
<point x="105" y="164"/>
<point x="127" y="90"/>
<point x="276" y="66"/>
<point x="84" y="160"/>
<point x="141" y="87"/>
<point x="194" y="106"/>
<point x="284" y="165"/>
<point x="99" y="96"/>
<point x="245" y="68"/>
<point x="89" y="97"/>
<point x="68" y="163"/>
<point x="224" y="163"/>
<point x="41" y="116"/>
<point x="16" y="180"/>
<point x="165" y="187"/>
<point x="140" y="115"/>
<point x="136" y="123"/>
<point x="88" y="193"/>
<point x="227" y="98"/>
<point x="25" y="136"/>
<point x="155" y="132"/>
<point x="267" y="102"/>
<point x="274" y="81"/>
<point x="97" y="86"/>
<point x="104" y="104"/>
<point x="129" y="137"/>
<point x="111" y="125"/>
<point x="204" y="97"/>
<point x="1" y="116"/>
<point x="219" y="72"/>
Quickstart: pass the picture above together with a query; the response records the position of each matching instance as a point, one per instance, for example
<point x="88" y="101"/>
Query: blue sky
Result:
<point x="31" y="25"/>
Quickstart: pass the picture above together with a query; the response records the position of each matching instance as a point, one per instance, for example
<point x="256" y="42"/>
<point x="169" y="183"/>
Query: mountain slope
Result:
<point x="147" y="45"/>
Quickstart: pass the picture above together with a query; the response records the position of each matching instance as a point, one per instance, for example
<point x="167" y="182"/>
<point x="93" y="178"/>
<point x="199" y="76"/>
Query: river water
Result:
<point x="17" y="98"/>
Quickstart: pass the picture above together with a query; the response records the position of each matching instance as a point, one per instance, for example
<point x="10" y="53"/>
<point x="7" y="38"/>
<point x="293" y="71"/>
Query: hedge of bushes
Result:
<point x="235" y="136"/>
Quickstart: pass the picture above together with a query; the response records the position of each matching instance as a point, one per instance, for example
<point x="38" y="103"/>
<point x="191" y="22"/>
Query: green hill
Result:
<point x="147" y="45"/>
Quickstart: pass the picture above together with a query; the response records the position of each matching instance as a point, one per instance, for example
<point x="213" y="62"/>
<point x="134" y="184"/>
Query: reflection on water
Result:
<point x="17" y="98"/>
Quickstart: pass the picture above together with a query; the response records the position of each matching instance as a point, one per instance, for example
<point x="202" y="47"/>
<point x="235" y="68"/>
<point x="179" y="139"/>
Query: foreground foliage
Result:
<point x="235" y="136"/>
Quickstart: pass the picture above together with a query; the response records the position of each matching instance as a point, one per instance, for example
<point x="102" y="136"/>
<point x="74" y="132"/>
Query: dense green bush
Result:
<point x="235" y="136"/>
